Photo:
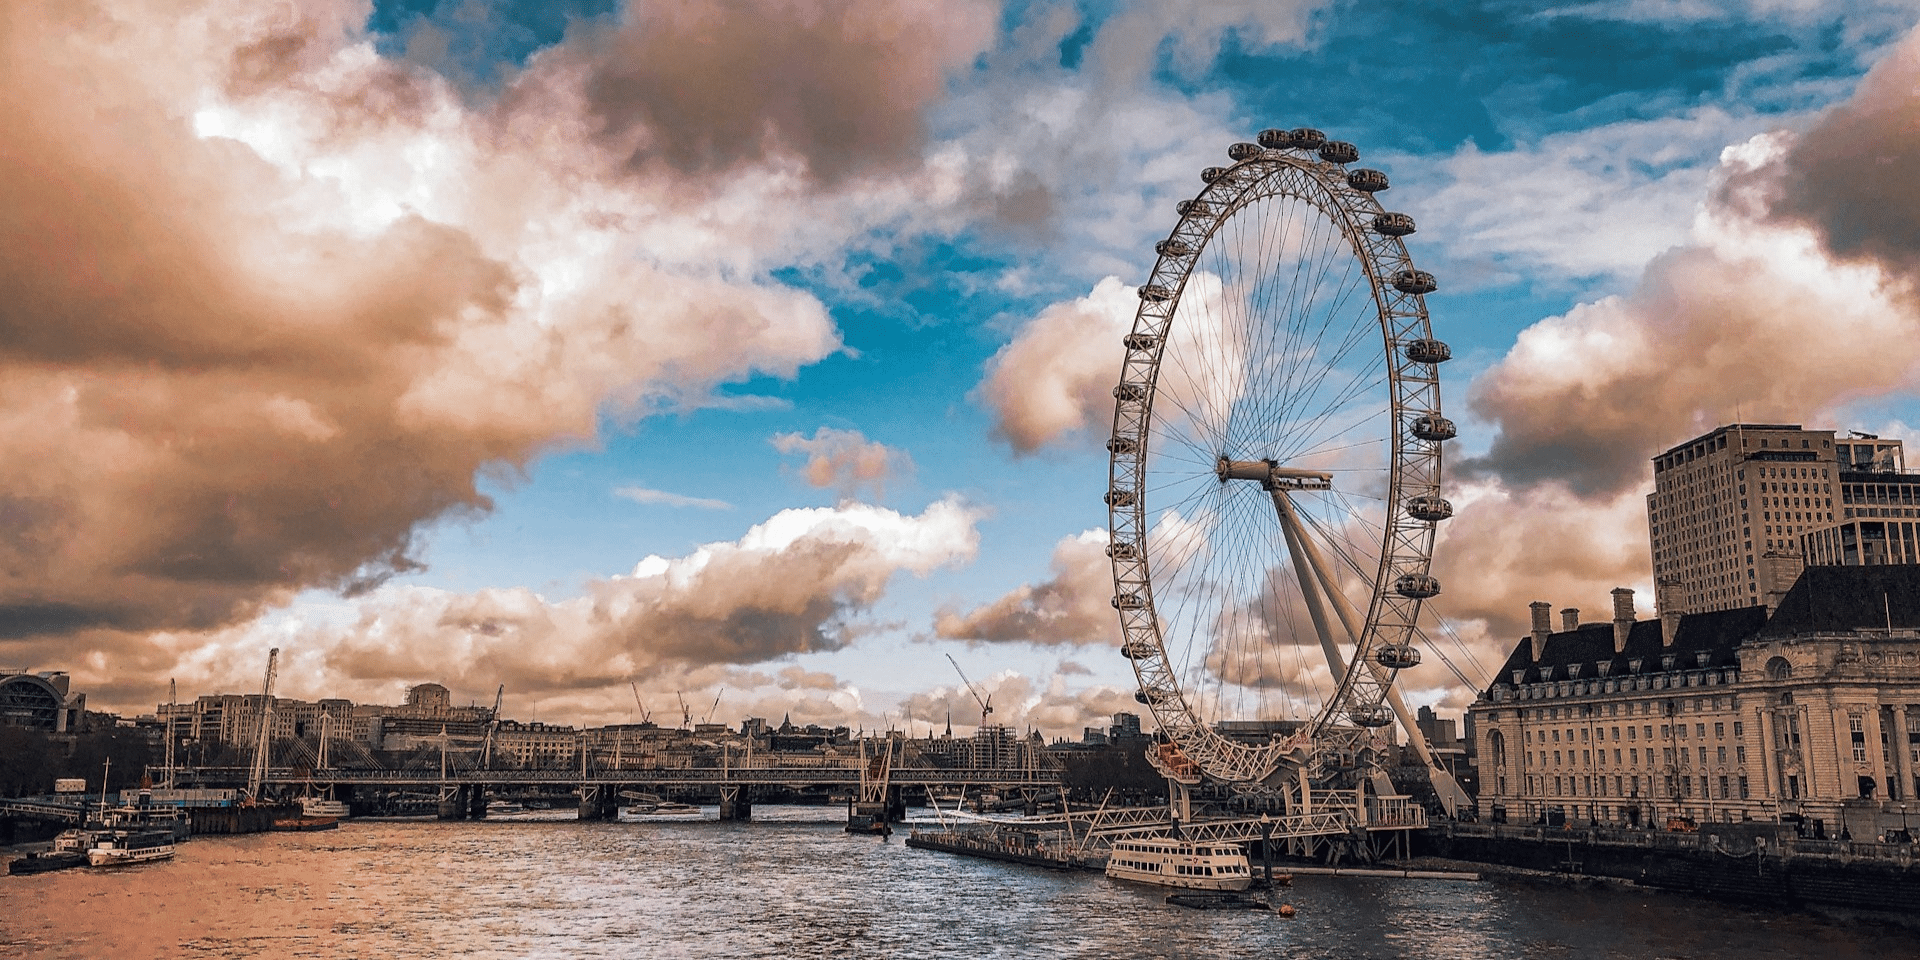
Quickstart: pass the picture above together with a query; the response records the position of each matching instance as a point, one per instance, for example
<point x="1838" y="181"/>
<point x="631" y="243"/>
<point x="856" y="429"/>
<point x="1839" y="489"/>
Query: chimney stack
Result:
<point x="1570" y="619"/>
<point x="1542" y="625"/>
<point x="1623" y="617"/>
<point x="1667" y="601"/>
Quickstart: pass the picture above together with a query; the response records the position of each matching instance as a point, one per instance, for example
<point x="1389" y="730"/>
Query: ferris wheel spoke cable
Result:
<point x="1294" y="402"/>
<point x="1300" y="396"/>
<point x="1352" y="391"/>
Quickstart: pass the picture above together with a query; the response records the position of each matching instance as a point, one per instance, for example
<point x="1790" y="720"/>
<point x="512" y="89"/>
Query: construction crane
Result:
<point x="686" y="715"/>
<point x="173" y="708"/>
<point x="716" y="705"/>
<point x="986" y="703"/>
<point x="493" y="724"/>
<point x="646" y="716"/>
<point x="257" y="773"/>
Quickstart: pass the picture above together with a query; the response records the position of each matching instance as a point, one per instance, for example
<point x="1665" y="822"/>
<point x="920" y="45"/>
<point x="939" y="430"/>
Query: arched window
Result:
<point x="1779" y="669"/>
<point x="1497" y="743"/>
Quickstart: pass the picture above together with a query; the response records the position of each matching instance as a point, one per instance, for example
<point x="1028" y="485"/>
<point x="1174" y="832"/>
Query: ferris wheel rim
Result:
<point x="1346" y="198"/>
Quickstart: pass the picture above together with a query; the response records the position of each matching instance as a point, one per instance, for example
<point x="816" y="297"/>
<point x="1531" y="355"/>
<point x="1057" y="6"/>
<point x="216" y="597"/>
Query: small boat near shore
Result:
<point x="305" y="824"/>
<point x="46" y="862"/>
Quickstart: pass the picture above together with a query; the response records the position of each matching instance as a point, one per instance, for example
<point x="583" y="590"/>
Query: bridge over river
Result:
<point x="465" y="792"/>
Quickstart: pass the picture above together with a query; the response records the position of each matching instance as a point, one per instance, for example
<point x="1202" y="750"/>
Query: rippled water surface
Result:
<point x="786" y="887"/>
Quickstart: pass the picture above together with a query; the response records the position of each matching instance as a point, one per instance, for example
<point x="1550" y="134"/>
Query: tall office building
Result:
<point x="1736" y="514"/>
<point x="1727" y="511"/>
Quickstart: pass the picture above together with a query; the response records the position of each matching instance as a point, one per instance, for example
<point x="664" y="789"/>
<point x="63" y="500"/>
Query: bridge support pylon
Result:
<point x="736" y="802"/>
<point x="453" y="803"/>
<point x="599" y="802"/>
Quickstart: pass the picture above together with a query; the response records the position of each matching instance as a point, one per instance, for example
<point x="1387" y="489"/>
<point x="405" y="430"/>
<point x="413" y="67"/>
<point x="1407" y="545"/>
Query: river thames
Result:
<point x="792" y="884"/>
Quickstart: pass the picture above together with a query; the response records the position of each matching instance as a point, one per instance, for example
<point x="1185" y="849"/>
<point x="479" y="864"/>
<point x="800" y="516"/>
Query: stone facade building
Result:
<point x="1809" y="711"/>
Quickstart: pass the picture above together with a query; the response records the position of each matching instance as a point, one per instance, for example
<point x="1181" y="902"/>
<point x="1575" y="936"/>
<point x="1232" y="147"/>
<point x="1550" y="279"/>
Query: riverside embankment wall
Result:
<point x="1751" y="865"/>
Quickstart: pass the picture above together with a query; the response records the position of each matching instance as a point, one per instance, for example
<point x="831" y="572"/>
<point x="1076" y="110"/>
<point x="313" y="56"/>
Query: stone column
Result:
<point x="1902" y="760"/>
<point x="1876" y="754"/>
<point x="1769" y="788"/>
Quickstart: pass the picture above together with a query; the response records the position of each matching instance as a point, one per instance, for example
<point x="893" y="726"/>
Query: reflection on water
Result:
<point x="792" y="885"/>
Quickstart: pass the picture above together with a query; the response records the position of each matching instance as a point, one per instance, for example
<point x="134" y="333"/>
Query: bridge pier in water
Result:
<point x="736" y="802"/>
<point x="599" y="802"/>
<point x="456" y="803"/>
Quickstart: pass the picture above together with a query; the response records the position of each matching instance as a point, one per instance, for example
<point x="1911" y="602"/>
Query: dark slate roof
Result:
<point x="1717" y="634"/>
<point x="1837" y="599"/>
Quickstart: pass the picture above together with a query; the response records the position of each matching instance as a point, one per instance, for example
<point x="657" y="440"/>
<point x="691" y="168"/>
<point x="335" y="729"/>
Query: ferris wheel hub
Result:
<point x="1271" y="475"/>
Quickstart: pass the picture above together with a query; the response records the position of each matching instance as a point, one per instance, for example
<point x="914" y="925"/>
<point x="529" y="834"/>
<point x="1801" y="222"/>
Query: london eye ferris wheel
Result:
<point x="1274" y="483"/>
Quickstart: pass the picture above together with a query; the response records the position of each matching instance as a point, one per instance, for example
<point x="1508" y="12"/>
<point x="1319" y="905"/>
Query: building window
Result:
<point x="1856" y="725"/>
<point x="1738" y="729"/>
<point x="1743" y="788"/>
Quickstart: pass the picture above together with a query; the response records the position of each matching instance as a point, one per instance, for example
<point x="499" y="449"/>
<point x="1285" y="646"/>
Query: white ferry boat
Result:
<point x="116" y="847"/>
<point x="1188" y="864"/>
<point x="322" y="807"/>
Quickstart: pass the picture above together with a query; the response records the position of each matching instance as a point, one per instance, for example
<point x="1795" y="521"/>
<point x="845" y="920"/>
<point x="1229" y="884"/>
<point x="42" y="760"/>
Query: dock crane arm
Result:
<point x="263" y="743"/>
<point x="493" y="723"/>
<point x="986" y="703"/>
<point x="716" y="705"/>
<point x="646" y="716"/>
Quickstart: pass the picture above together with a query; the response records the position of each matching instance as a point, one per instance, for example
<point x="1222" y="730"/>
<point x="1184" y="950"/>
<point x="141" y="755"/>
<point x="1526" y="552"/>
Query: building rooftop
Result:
<point x="1839" y="599"/>
<point x="1823" y="600"/>
<point x="1578" y="654"/>
<point x="1729" y="428"/>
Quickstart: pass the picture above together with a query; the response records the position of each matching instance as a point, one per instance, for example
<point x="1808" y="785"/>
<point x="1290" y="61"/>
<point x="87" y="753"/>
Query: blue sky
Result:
<point x="876" y="268"/>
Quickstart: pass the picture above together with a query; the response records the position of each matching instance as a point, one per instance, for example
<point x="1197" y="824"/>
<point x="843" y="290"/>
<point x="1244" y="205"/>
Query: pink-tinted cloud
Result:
<point x="1057" y="374"/>
<point x="845" y="460"/>
<point x="272" y="301"/>
<point x="1071" y="607"/>
<point x="712" y="86"/>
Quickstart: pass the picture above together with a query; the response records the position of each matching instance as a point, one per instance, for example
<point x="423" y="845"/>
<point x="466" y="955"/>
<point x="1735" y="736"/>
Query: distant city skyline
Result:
<point x="766" y="351"/>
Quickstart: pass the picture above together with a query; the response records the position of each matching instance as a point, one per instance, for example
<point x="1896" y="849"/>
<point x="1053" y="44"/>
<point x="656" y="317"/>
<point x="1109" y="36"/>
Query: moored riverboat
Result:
<point x="322" y="807"/>
<point x="119" y="847"/>
<point x="1187" y="864"/>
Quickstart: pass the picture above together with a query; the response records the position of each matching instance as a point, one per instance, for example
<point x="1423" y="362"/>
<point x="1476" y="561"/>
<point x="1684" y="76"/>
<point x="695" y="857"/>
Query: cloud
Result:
<point x="1070" y="608"/>
<point x="665" y="499"/>
<point x="793" y="584"/>
<point x="1847" y="177"/>
<point x="1056" y="376"/>
<point x="1050" y="705"/>
<point x="273" y="300"/>
<point x="1192" y="32"/>
<point x="711" y="86"/>
<point x="1750" y="320"/>
<point x="845" y="460"/>
<point x="1596" y="202"/>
